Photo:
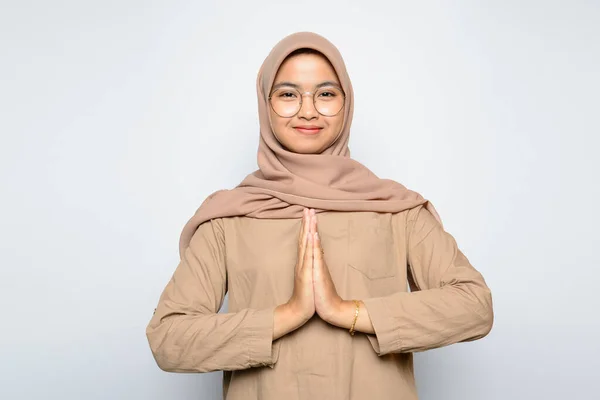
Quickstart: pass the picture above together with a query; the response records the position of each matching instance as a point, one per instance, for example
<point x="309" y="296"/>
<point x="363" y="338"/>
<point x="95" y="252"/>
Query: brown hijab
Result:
<point x="286" y="182"/>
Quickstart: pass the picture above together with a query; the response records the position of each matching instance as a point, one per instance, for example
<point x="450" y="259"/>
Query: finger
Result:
<point x="307" y="221"/>
<point x="312" y="255"/>
<point x="302" y="239"/>
<point x="316" y="222"/>
<point x="317" y="263"/>
<point x="308" y="254"/>
<point x="318" y="250"/>
<point x="303" y="249"/>
<point x="303" y="226"/>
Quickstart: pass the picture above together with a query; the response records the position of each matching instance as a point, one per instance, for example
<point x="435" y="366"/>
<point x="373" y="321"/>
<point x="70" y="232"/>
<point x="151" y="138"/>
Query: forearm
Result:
<point x="211" y="342"/>
<point x="419" y="321"/>
<point x="423" y="320"/>
<point x="449" y="301"/>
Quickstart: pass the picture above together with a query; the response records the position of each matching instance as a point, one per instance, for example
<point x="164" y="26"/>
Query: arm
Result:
<point x="450" y="301"/>
<point x="187" y="335"/>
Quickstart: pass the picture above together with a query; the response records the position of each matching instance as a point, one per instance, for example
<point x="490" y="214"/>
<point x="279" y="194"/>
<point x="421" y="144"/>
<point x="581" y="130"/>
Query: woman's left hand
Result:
<point x="328" y="303"/>
<point x="327" y="300"/>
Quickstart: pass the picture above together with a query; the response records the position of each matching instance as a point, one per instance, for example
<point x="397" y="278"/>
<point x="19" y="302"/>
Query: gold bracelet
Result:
<point x="355" y="317"/>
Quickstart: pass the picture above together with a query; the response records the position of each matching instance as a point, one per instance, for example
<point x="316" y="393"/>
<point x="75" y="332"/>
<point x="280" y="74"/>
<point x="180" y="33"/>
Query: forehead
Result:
<point x="306" y="70"/>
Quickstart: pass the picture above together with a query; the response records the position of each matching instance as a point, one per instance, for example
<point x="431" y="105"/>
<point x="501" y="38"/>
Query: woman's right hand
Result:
<point x="302" y="302"/>
<point x="301" y="305"/>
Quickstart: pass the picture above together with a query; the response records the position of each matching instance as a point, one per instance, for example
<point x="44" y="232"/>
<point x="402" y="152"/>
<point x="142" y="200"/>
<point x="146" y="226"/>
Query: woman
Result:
<point x="315" y="252"/>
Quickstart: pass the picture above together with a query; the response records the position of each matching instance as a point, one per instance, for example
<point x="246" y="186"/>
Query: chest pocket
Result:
<point x="371" y="246"/>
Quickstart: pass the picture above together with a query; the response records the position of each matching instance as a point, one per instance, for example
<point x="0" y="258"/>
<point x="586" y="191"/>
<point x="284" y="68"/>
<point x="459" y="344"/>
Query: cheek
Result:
<point x="336" y="126"/>
<point x="282" y="130"/>
<point x="278" y="125"/>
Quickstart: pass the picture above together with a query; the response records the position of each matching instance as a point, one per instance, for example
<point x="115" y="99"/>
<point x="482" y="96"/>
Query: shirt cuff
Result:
<point x="262" y="350"/>
<point x="386" y="338"/>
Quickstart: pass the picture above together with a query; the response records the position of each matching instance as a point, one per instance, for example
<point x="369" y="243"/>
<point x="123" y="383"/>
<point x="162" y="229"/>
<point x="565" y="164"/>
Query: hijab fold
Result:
<point x="287" y="182"/>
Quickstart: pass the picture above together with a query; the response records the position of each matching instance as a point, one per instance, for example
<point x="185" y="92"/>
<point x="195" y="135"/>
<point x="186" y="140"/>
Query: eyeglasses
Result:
<point x="287" y="101"/>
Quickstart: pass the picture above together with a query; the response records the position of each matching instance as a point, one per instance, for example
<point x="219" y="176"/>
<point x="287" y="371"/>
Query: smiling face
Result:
<point x="308" y="131"/>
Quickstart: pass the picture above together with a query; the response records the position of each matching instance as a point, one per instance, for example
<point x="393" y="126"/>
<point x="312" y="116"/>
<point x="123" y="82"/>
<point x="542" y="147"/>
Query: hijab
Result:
<point x="286" y="182"/>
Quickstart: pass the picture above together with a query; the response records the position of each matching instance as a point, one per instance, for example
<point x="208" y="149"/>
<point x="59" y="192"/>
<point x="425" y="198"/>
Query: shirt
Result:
<point x="420" y="291"/>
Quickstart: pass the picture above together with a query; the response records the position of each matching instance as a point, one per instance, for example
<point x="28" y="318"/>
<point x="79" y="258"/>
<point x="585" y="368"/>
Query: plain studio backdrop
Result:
<point x="119" y="117"/>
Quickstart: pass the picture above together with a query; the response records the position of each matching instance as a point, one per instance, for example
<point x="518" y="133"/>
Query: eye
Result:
<point x="287" y="95"/>
<point x="328" y="94"/>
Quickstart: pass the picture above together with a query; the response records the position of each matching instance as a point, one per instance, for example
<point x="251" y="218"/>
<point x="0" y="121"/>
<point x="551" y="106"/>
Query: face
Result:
<point x="308" y="131"/>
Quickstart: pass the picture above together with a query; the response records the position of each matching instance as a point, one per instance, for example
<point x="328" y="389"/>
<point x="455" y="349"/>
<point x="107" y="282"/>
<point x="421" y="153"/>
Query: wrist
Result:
<point x="295" y="315"/>
<point x="285" y="321"/>
<point x="340" y="311"/>
<point x="345" y="316"/>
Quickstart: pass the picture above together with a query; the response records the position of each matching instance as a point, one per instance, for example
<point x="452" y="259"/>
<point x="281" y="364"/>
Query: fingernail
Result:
<point x="317" y="235"/>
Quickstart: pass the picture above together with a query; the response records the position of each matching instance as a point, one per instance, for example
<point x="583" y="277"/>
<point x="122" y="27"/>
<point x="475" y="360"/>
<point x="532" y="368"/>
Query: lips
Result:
<point x="308" y="130"/>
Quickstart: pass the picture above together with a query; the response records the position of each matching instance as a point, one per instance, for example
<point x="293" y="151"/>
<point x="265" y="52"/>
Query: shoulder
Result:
<point x="421" y="214"/>
<point x="418" y="216"/>
<point x="419" y="223"/>
<point x="211" y="230"/>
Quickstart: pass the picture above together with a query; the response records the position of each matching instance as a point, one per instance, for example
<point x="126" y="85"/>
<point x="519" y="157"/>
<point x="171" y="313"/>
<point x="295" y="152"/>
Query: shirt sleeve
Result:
<point x="186" y="333"/>
<point x="449" y="300"/>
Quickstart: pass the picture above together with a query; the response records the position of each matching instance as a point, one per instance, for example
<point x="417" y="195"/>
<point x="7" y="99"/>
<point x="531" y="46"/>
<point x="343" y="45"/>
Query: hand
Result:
<point x="327" y="301"/>
<point x="302" y="303"/>
<point x="314" y="289"/>
<point x="328" y="304"/>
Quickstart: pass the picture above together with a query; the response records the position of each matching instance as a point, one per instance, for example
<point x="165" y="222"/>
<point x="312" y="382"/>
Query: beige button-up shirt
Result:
<point x="371" y="257"/>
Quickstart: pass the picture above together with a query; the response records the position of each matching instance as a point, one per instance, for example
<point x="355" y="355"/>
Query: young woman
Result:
<point x="317" y="254"/>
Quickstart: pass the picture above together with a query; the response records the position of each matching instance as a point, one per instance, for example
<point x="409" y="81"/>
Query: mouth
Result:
<point x="308" y="130"/>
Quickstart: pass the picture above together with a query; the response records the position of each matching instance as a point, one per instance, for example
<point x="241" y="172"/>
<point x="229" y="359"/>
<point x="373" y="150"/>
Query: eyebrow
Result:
<point x="296" y="86"/>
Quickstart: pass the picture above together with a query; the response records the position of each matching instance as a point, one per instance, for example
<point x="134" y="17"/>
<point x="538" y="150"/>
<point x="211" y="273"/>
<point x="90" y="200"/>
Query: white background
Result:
<point x="119" y="117"/>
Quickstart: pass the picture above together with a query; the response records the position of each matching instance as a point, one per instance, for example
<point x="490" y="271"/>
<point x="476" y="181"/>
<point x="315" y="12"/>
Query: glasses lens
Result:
<point x="329" y="101"/>
<point x="285" y="102"/>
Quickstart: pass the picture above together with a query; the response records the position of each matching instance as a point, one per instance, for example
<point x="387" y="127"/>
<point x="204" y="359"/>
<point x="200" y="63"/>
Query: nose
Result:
<point x="307" y="108"/>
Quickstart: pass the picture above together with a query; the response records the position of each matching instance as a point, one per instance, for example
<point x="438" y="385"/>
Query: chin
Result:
<point x="304" y="149"/>
<point x="302" y="145"/>
<point x="305" y="145"/>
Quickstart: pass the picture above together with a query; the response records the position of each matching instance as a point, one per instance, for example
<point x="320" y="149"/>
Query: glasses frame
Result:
<point x="312" y="93"/>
